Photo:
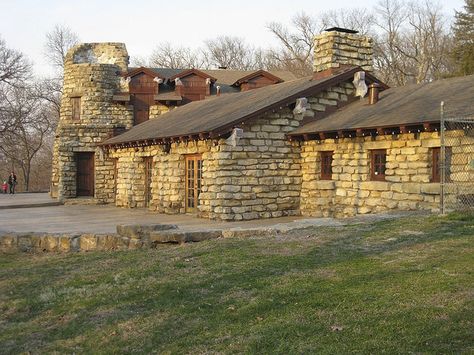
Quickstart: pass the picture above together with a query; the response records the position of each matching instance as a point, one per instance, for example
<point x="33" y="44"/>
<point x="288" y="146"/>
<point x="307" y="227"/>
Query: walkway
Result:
<point x="105" y="218"/>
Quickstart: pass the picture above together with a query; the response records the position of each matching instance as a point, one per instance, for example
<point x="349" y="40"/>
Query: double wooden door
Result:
<point x="193" y="181"/>
<point x="85" y="174"/>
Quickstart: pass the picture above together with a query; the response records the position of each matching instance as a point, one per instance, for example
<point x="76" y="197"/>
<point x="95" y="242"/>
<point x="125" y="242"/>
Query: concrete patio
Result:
<point x="38" y="214"/>
<point x="40" y="217"/>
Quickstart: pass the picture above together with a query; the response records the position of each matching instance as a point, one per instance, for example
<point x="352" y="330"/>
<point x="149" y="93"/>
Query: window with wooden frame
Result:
<point x="378" y="161"/>
<point x="76" y="108"/>
<point x="435" y="166"/>
<point x="326" y="165"/>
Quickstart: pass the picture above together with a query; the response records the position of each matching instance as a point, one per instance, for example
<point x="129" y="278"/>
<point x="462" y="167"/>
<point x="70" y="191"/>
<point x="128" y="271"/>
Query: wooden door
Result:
<point x="141" y="107"/>
<point x="193" y="181"/>
<point x="148" y="179"/>
<point x="115" y="161"/>
<point x="85" y="174"/>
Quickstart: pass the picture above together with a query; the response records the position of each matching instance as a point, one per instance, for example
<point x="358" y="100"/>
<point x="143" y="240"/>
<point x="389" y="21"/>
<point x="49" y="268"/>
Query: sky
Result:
<point x="142" y="24"/>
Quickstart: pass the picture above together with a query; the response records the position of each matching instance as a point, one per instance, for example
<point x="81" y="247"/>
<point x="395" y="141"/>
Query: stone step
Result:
<point x="141" y="231"/>
<point x="177" y="236"/>
<point x="82" y="201"/>
<point x="30" y="205"/>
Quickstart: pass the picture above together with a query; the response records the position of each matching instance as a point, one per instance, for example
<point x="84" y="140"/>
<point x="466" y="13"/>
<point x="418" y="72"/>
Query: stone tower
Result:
<point x="88" y="116"/>
<point x="338" y="46"/>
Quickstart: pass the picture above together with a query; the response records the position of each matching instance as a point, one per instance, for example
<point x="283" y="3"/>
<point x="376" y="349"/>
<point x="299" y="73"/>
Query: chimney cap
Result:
<point x="340" y="29"/>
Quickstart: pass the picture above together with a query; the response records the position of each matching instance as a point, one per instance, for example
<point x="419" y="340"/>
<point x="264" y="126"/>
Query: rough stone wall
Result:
<point x="168" y="174"/>
<point x="259" y="177"/>
<point x="407" y="183"/>
<point x="157" y="110"/>
<point x="91" y="73"/>
<point x="111" y="53"/>
<point x="462" y="157"/>
<point x="334" y="48"/>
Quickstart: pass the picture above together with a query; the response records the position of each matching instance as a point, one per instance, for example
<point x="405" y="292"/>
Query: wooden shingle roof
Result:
<point x="218" y="115"/>
<point x="401" y="106"/>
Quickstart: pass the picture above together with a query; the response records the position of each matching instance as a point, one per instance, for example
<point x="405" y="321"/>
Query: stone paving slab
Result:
<point x="25" y="200"/>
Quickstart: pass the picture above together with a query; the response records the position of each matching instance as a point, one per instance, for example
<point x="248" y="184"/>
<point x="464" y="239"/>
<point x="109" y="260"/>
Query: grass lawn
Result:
<point x="399" y="286"/>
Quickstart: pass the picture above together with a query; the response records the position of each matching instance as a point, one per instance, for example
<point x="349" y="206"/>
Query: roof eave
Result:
<point x="402" y="126"/>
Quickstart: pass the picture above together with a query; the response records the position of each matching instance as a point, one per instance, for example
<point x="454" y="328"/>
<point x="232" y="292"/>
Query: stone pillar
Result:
<point x="335" y="47"/>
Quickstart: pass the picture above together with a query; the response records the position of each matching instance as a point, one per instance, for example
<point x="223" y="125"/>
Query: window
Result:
<point x="435" y="167"/>
<point x="377" y="161"/>
<point x="326" y="165"/>
<point x="436" y="164"/>
<point x="76" y="108"/>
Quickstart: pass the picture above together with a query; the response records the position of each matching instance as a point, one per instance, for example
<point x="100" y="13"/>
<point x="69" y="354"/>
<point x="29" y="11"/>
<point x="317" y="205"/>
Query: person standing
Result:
<point x="12" y="182"/>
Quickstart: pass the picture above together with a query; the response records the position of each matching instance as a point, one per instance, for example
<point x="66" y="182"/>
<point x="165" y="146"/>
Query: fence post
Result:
<point x="443" y="159"/>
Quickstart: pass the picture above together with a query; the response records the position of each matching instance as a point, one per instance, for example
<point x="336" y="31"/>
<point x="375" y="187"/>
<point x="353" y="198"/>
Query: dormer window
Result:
<point x="257" y="79"/>
<point x="143" y="81"/>
<point x="192" y="84"/>
<point x="144" y="85"/>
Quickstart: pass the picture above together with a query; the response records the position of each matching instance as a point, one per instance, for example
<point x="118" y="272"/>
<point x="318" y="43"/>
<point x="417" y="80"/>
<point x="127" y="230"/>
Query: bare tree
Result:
<point x="14" y="67"/>
<point x="139" y="61"/>
<point x="390" y="17"/>
<point x="58" y="42"/>
<point x="8" y="120"/>
<point x="49" y="91"/>
<point x="225" y="51"/>
<point x="166" y="55"/>
<point x="359" y="19"/>
<point x="230" y="52"/>
<point x="296" y="51"/>
<point x="413" y="43"/>
<point x="296" y="45"/>
<point x="32" y="126"/>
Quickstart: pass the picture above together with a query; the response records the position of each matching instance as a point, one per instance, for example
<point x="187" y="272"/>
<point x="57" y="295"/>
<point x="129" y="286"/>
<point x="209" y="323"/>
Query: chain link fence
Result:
<point x="456" y="162"/>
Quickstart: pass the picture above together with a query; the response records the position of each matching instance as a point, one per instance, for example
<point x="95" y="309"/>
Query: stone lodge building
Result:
<point x="247" y="145"/>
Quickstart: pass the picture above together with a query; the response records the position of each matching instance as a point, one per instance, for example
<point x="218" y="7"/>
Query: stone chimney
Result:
<point x="338" y="46"/>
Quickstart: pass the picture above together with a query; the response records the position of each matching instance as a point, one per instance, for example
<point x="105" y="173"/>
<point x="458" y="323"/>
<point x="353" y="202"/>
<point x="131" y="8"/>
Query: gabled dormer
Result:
<point x="143" y="81"/>
<point x="143" y="86"/>
<point x="257" y="79"/>
<point x="192" y="84"/>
